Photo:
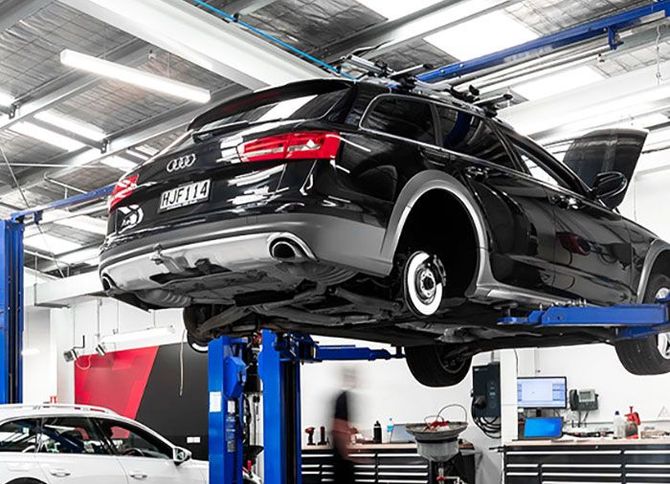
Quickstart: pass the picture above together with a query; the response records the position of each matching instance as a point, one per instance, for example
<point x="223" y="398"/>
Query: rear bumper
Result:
<point x="241" y="245"/>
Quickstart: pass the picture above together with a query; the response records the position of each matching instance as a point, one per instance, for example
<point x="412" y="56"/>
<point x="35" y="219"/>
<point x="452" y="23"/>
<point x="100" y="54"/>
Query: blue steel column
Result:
<point x="226" y="377"/>
<point x="281" y="414"/>
<point x="11" y="313"/>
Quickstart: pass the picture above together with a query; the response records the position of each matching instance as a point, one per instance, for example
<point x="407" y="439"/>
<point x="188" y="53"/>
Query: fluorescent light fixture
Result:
<point x="121" y="164"/>
<point x="89" y="256"/>
<point x="84" y="130"/>
<point x="133" y="76"/>
<point x="137" y="155"/>
<point x="47" y="136"/>
<point x="147" y="150"/>
<point x="557" y="83"/>
<point x="138" y="335"/>
<point x="30" y="352"/>
<point x="483" y="35"/>
<point x="6" y="100"/>
<point x="50" y="244"/>
<point x="393" y="9"/>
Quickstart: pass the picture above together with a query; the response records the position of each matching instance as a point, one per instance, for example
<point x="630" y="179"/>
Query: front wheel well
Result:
<point x="25" y="480"/>
<point x="661" y="264"/>
<point x="440" y="223"/>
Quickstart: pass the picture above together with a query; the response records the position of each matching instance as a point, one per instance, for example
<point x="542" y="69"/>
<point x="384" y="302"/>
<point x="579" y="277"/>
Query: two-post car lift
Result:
<point x="234" y="363"/>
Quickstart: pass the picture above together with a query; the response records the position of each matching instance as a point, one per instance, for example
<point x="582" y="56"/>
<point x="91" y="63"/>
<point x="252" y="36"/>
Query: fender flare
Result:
<point x="658" y="247"/>
<point x="414" y="189"/>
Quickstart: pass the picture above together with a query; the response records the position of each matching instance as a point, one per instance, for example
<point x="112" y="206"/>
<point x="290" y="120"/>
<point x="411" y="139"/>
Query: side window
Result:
<point x="132" y="441"/>
<point x="469" y="134"/>
<point x="19" y="436"/>
<point x="536" y="168"/>
<point x="401" y="116"/>
<point x="71" y="435"/>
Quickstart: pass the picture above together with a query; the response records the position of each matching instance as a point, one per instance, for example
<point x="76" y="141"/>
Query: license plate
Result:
<point x="184" y="195"/>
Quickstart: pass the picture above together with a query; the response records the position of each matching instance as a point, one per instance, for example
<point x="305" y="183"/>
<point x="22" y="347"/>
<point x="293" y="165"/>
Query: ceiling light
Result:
<point x="138" y="155"/>
<point x="138" y="335"/>
<point x="474" y="38"/>
<point x="147" y="150"/>
<point x="133" y="76"/>
<point x="6" y="100"/>
<point x="50" y="244"/>
<point x="84" y="130"/>
<point x="47" y="136"/>
<point x="394" y="9"/>
<point x="557" y="83"/>
<point x="119" y="163"/>
<point x="89" y="256"/>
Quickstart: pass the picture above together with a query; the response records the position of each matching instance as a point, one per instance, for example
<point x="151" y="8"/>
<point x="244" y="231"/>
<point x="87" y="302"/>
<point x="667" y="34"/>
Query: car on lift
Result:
<point x="361" y="210"/>
<point x="47" y="444"/>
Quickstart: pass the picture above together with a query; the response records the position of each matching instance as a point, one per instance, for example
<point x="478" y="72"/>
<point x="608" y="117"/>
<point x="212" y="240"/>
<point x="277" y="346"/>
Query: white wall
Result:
<point x="39" y="375"/>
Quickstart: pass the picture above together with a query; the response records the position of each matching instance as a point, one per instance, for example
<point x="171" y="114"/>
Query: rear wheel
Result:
<point x="194" y="316"/>
<point x="433" y="367"/>
<point x="650" y="355"/>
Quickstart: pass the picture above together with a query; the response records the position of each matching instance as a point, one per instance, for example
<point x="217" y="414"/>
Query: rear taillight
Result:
<point x="292" y="146"/>
<point x="123" y="189"/>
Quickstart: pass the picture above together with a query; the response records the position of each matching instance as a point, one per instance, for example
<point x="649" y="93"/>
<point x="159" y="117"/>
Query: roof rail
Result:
<point x="62" y="406"/>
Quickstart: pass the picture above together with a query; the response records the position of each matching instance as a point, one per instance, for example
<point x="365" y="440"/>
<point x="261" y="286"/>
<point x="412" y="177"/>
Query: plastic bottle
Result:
<point x="389" y="430"/>
<point x="377" y="433"/>
<point x="619" y="426"/>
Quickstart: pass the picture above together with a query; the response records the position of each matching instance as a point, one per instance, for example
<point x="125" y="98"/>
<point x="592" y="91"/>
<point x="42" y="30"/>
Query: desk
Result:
<point x="382" y="464"/>
<point x="587" y="460"/>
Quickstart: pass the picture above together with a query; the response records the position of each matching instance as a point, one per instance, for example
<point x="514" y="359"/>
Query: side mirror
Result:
<point x="181" y="455"/>
<point x="608" y="185"/>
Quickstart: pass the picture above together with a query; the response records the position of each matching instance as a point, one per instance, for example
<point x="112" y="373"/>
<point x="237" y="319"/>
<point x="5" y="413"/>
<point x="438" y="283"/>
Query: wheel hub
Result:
<point x="426" y="283"/>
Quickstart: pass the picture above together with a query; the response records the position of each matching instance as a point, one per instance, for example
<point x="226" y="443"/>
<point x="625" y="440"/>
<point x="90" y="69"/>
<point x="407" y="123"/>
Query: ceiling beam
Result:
<point x="13" y="11"/>
<point x="185" y="30"/>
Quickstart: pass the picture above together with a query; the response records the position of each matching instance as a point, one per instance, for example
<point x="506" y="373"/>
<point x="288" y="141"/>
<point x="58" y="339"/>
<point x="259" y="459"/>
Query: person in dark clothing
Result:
<point x="343" y="466"/>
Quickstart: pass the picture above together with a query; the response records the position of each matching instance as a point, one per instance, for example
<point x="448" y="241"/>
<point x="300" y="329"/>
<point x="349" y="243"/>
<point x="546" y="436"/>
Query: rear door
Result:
<point x="18" y="443"/>
<point x="145" y="457"/>
<point x="517" y="209"/>
<point x="592" y="245"/>
<point x="72" y="451"/>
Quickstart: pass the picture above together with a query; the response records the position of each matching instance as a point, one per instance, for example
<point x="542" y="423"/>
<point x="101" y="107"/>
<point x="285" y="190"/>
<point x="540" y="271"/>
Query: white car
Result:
<point x="70" y="444"/>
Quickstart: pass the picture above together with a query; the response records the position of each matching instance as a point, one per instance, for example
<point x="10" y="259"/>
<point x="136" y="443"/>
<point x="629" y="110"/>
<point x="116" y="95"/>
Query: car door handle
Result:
<point x="60" y="473"/>
<point x="477" y="172"/>
<point x="140" y="476"/>
<point x="567" y="202"/>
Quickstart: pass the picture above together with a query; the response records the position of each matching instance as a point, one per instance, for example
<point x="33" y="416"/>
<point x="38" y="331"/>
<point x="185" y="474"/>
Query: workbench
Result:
<point x="587" y="460"/>
<point x="383" y="463"/>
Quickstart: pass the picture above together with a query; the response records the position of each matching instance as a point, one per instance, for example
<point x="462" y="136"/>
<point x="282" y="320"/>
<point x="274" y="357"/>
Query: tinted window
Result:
<point x="402" y="117"/>
<point x="132" y="441"/>
<point x="71" y="435"/>
<point x="18" y="436"/>
<point x="536" y="167"/>
<point x="466" y="133"/>
<point x="282" y="108"/>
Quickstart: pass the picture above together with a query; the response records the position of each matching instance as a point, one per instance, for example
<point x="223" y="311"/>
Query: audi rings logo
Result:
<point x="180" y="163"/>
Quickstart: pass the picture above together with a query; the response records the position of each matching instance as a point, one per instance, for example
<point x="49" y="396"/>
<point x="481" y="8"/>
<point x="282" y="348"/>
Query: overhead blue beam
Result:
<point x="36" y="212"/>
<point x="607" y="26"/>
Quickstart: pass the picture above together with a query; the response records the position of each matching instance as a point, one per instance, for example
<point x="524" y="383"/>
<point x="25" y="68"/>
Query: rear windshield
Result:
<point x="281" y="105"/>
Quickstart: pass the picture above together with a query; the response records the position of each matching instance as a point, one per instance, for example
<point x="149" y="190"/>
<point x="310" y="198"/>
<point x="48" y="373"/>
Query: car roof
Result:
<point x="38" y="410"/>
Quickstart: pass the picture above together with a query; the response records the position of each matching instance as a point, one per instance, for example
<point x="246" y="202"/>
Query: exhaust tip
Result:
<point x="285" y="250"/>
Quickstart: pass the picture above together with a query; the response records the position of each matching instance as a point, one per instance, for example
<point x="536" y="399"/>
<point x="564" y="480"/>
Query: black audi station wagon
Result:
<point x="413" y="218"/>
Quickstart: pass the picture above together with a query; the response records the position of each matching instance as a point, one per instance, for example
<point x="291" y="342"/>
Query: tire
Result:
<point x="650" y="355"/>
<point x="432" y="368"/>
<point x="193" y="317"/>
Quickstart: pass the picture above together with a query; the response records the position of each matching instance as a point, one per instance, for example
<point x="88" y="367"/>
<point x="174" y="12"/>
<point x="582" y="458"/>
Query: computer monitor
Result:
<point x="542" y="392"/>
<point x="543" y="428"/>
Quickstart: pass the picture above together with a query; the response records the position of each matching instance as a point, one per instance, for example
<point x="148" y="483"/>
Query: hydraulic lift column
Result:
<point x="11" y="313"/>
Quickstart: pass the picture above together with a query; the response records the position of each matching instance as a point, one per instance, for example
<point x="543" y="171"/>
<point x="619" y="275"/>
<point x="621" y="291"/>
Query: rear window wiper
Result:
<point x="226" y="128"/>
